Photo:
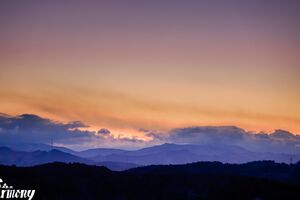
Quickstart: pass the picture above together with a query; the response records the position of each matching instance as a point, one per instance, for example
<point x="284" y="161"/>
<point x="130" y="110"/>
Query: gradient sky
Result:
<point x="126" y="65"/>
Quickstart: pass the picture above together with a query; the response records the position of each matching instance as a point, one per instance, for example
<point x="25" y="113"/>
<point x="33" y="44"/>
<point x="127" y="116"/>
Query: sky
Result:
<point x="128" y="66"/>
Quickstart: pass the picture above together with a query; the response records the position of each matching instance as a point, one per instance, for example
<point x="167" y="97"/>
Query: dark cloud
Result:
<point x="279" y="141"/>
<point x="77" y="124"/>
<point x="104" y="131"/>
<point x="32" y="128"/>
<point x="205" y="134"/>
<point x="282" y="134"/>
<point x="29" y="128"/>
<point x="154" y="134"/>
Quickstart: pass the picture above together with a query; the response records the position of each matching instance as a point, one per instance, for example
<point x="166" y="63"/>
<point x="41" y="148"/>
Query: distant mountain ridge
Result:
<point x="29" y="147"/>
<point x="118" y="159"/>
<point x="98" y="151"/>
<point x="22" y="158"/>
<point x="181" y="154"/>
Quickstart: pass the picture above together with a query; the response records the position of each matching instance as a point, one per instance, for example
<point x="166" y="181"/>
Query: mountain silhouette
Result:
<point x="22" y="158"/>
<point x="181" y="154"/>
<point x="167" y="153"/>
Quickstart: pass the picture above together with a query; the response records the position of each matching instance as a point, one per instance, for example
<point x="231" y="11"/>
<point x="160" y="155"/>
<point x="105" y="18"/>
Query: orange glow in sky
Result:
<point x="149" y="66"/>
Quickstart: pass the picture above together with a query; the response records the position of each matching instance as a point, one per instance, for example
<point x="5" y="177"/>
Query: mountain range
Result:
<point x="118" y="159"/>
<point x="37" y="157"/>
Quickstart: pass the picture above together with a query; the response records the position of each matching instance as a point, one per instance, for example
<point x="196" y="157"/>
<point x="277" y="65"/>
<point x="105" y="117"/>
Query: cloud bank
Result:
<point x="29" y="128"/>
<point x="32" y="128"/>
<point x="279" y="141"/>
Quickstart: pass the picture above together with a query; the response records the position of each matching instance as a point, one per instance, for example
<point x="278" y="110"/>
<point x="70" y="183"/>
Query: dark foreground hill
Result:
<point x="203" y="180"/>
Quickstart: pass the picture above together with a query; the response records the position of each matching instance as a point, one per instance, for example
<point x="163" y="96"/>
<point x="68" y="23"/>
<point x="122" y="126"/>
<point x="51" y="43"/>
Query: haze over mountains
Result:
<point x="117" y="159"/>
<point x="33" y="158"/>
<point x="181" y="154"/>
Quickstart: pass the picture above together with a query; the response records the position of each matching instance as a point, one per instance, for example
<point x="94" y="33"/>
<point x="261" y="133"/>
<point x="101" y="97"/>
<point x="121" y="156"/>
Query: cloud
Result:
<point x="104" y="131"/>
<point x="29" y="128"/>
<point x="32" y="128"/>
<point x="279" y="141"/>
<point x="207" y="134"/>
<point x="282" y="134"/>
